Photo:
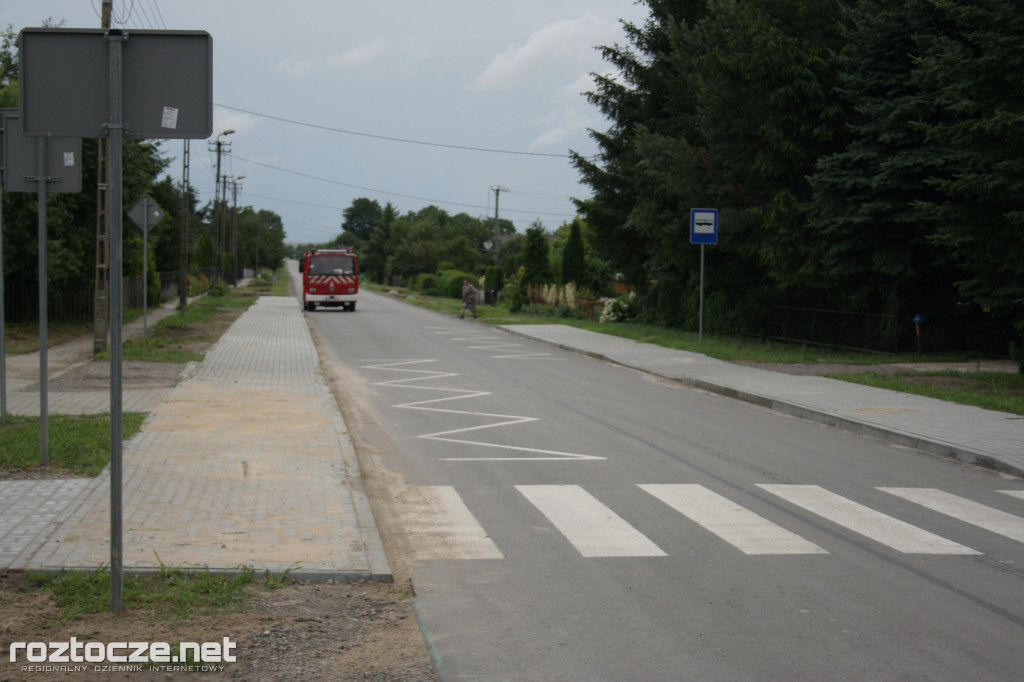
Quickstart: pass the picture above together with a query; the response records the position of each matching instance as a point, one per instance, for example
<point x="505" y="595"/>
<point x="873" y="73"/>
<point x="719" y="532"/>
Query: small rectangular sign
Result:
<point x="703" y="225"/>
<point x="20" y="159"/>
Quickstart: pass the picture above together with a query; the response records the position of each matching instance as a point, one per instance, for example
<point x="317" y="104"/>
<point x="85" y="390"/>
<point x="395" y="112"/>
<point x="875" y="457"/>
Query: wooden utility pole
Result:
<point x="498" y="189"/>
<point x="101" y="301"/>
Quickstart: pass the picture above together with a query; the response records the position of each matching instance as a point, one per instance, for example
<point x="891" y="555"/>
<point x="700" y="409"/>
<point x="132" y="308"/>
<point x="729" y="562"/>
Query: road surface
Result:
<point x="568" y="519"/>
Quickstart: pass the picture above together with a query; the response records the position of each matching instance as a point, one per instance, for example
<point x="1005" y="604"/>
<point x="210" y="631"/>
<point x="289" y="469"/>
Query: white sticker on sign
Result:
<point x="170" y="119"/>
<point x="69" y="158"/>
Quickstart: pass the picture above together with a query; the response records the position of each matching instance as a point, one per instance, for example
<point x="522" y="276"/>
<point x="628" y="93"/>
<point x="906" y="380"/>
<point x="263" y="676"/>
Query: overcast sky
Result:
<point x="453" y="73"/>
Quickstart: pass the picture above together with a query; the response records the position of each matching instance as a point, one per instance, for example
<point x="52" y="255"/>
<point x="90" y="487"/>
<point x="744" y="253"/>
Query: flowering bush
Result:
<point x="620" y="309"/>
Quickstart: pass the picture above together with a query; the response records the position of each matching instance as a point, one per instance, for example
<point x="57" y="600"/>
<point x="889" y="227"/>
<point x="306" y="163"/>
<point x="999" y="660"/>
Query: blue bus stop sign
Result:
<point x="703" y="225"/>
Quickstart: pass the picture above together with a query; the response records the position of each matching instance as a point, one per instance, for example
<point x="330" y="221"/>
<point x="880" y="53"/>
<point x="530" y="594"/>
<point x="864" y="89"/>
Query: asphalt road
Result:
<point x="569" y="519"/>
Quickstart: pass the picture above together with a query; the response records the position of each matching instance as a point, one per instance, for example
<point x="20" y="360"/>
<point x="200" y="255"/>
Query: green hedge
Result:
<point x="449" y="282"/>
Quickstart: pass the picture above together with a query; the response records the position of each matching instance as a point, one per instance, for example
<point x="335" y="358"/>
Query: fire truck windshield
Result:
<point x="331" y="265"/>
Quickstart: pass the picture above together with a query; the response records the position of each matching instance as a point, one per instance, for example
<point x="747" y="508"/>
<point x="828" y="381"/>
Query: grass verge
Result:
<point x="78" y="445"/>
<point x="1000" y="391"/>
<point x="728" y="348"/>
<point x="202" y="321"/>
<point x="173" y="593"/>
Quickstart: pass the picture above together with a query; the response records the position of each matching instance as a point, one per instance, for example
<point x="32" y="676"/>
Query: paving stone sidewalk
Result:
<point x="245" y="463"/>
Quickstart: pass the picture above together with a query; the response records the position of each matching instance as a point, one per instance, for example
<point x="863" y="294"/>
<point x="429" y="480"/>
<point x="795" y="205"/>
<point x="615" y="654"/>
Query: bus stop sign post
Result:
<point x="703" y="230"/>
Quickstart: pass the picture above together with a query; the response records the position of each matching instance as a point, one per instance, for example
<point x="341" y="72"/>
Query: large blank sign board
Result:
<point x="166" y="92"/>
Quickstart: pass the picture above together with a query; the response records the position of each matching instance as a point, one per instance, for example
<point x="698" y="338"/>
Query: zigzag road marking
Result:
<point x="420" y="375"/>
<point x="508" y="348"/>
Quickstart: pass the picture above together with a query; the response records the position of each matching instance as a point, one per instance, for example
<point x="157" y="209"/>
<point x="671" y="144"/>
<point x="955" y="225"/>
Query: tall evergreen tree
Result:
<point x="537" y="269"/>
<point x="977" y="73"/>
<point x="374" y="256"/>
<point x="573" y="261"/>
<point x="876" y="242"/>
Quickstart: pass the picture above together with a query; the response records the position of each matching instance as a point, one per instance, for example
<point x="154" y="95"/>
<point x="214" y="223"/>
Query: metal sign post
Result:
<point x="157" y="84"/>
<point x="38" y="165"/>
<point x="145" y="213"/>
<point x="703" y="230"/>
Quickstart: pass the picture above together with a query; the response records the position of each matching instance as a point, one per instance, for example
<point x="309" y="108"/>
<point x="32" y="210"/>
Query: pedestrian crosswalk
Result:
<point x="440" y="525"/>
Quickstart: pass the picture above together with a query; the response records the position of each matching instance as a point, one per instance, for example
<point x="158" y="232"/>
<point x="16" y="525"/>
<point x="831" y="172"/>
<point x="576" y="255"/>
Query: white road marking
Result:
<point x="591" y="527"/>
<point x="968" y="511"/>
<point x="429" y="405"/>
<point x="509" y="349"/>
<point x="440" y="526"/>
<point x="740" y="527"/>
<point x="872" y="524"/>
<point x="1014" y="493"/>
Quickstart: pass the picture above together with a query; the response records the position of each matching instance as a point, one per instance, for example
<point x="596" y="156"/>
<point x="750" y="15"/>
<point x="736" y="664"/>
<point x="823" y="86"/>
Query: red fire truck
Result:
<point x="330" y="277"/>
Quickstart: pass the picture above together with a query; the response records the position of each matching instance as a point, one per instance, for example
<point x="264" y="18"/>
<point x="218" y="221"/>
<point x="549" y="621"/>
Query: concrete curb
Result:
<point x="927" y="444"/>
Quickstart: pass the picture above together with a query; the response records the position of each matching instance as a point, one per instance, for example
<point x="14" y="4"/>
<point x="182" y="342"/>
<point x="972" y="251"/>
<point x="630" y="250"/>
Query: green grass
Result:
<point x="23" y="337"/>
<point x="172" y="593"/>
<point x="274" y="283"/>
<point x="77" y="444"/>
<point x="729" y="348"/>
<point x="159" y="345"/>
<point x="1001" y="391"/>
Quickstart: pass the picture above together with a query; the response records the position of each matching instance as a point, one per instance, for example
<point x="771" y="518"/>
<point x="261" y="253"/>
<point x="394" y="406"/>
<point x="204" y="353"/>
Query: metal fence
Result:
<point x="835" y="329"/>
<point x="946" y="326"/>
<point x="71" y="303"/>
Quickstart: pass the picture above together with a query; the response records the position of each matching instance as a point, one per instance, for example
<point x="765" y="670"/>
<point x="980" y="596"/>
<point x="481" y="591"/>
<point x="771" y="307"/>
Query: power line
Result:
<point x="393" y="139"/>
<point x="323" y="206"/>
<point x="394" y="194"/>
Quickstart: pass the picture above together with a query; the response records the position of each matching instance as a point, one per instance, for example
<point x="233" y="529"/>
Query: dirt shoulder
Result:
<point x="303" y="631"/>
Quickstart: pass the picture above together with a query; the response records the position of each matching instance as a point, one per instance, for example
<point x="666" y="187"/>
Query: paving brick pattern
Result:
<point x="245" y="463"/>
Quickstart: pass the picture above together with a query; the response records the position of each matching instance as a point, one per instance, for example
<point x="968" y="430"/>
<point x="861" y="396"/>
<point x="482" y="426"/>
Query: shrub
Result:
<point x="449" y="282"/>
<point x="493" y="278"/>
<point x="424" y="282"/>
<point x="621" y="309"/>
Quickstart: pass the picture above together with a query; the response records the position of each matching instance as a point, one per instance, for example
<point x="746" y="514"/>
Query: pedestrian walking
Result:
<point x="468" y="298"/>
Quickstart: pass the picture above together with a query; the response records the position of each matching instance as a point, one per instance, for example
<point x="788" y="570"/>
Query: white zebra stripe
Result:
<point x="968" y="511"/>
<point x="740" y="527"/>
<point x="872" y="524"/>
<point x="591" y="527"/>
<point x="440" y="526"/>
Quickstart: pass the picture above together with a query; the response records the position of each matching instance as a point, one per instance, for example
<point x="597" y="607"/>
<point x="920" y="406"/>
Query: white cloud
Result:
<point x="294" y="68"/>
<point x="573" y="115"/>
<point x="572" y="39"/>
<point x="361" y="54"/>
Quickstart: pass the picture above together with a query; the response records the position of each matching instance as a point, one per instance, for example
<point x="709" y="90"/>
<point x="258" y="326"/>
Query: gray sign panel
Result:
<point x="145" y="213"/>
<point x="21" y="159"/>
<point x="167" y="83"/>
